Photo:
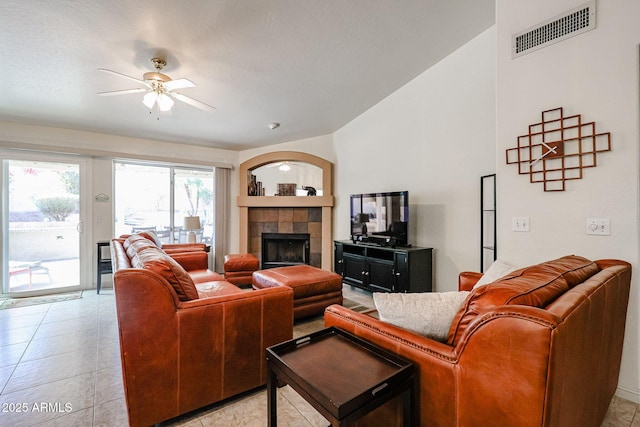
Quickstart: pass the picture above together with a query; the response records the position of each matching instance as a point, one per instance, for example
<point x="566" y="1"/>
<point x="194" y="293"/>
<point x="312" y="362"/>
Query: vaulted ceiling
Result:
<point x="310" y="65"/>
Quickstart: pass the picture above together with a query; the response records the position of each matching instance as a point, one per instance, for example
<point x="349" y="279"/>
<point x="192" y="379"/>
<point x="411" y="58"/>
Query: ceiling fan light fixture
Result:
<point x="164" y="102"/>
<point x="284" y="167"/>
<point x="150" y="99"/>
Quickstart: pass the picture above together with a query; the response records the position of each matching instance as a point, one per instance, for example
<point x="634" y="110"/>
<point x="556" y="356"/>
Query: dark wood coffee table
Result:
<point x="342" y="376"/>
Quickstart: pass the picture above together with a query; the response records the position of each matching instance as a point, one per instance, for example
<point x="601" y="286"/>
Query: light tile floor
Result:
<point x="60" y="366"/>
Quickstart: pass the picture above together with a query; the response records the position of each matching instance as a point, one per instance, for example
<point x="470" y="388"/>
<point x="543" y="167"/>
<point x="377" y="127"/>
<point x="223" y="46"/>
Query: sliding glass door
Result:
<point x="42" y="224"/>
<point x="159" y="198"/>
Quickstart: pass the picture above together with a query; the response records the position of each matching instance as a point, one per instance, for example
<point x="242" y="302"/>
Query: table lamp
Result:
<point x="190" y="224"/>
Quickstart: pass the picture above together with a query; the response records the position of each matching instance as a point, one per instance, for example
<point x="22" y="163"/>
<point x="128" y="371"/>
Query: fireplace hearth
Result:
<point x="284" y="249"/>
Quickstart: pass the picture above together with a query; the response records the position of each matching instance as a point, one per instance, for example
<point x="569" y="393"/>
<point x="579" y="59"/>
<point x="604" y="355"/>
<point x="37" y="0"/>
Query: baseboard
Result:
<point x="628" y="394"/>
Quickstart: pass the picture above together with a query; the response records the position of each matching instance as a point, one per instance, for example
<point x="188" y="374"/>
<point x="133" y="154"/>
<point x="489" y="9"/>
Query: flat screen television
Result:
<point x="380" y="215"/>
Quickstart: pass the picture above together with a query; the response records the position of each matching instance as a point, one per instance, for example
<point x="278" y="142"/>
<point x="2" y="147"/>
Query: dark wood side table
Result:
<point x="342" y="376"/>
<point x="104" y="264"/>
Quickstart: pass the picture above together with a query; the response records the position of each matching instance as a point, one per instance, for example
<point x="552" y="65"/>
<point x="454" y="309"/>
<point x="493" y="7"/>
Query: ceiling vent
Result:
<point x="569" y="24"/>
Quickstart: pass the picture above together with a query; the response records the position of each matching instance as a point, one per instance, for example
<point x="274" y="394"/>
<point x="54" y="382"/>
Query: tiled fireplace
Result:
<point x="288" y="214"/>
<point x="287" y="222"/>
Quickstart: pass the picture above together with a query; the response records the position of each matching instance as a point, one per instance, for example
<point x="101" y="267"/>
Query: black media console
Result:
<point x="384" y="268"/>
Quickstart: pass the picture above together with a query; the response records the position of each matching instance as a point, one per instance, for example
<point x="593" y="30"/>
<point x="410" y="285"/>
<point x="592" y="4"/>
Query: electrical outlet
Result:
<point x="520" y="223"/>
<point x="598" y="226"/>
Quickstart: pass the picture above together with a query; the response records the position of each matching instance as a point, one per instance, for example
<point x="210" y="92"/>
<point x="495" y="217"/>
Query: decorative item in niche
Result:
<point x="557" y="149"/>
<point x="255" y="187"/>
<point x="310" y="190"/>
<point x="286" y="190"/>
<point x="252" y="190"/>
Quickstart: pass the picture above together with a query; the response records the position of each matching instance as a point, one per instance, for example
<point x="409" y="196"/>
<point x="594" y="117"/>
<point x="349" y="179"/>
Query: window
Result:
<point x="158" y="197"/>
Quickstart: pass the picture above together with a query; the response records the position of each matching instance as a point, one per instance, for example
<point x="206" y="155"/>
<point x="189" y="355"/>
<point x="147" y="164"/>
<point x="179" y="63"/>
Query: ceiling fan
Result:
<point x="160" y="88"/>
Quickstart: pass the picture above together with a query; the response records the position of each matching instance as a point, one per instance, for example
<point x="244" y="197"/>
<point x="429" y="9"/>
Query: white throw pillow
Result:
<point x="429" y="314"/>
<point x="497" y="270"/>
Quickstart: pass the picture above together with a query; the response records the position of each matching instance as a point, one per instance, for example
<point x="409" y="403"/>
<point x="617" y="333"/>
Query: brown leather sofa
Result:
<point x="540" y="347"/>
<point x="169" y="248"/>
<point x="187" y="337"/>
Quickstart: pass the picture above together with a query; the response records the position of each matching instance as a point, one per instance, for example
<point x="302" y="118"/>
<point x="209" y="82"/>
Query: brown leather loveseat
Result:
<point x="539" y="347"/>
<point x="187" y="337"/>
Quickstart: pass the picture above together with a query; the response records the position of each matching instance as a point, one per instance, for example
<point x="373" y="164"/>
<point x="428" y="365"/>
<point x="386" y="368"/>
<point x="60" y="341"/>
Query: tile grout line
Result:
<point x="310" y="422"/>
<point x="44" y="314"/>
<point x="99" y="319"/>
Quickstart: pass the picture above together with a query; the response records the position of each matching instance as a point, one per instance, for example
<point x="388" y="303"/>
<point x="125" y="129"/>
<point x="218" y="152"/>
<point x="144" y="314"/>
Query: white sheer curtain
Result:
<point x="221" y="244"/>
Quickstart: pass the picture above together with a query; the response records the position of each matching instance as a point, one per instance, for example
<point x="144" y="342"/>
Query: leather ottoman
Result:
<point x="313" y="289"/>
<point x="238" y="268"/>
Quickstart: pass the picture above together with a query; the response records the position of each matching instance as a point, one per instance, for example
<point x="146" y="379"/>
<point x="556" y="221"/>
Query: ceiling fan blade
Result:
<point x="193" y="102"/>
<point x="179" y="84"/>
<point x="122" y="75"/>
<point x="122" y="92"/>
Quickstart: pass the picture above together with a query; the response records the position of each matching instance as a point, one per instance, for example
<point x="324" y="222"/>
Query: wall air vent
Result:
<point x="569" y="24"/>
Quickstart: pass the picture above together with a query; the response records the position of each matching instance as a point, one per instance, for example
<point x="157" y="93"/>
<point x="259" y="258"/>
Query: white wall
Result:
<point x="594" y="74"/>
<point x="434" y="137"/>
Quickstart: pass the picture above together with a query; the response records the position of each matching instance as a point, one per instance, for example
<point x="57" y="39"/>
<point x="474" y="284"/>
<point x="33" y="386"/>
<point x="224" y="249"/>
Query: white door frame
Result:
<point x="85" y="238"/>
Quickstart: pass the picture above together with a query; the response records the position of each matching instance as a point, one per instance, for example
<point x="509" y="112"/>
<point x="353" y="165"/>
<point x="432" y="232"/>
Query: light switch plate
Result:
<point x="520" y="223"/>
<point x="598" y="226"/>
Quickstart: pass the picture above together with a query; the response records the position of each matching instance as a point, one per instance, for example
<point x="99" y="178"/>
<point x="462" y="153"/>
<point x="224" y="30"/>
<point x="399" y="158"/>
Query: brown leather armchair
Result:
<point x="181" y="353"/>
<point x="524" y="357"/>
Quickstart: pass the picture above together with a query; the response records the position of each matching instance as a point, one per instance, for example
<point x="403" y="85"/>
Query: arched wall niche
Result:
<point x="252" y="208"/>
<point x="287" y="156"/>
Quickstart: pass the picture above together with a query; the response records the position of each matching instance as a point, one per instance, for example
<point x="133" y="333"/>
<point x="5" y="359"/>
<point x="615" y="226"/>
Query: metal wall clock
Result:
<point x="557" y="149"/>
